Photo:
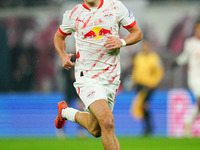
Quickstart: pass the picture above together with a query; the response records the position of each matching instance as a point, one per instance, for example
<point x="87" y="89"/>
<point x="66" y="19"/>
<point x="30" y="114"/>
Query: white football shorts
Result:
<point x="89" y="92"/>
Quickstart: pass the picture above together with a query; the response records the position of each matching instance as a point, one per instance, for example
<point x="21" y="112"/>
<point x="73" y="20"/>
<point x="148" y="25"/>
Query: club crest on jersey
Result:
<point x="91" y="94"/>
<point x="97" y="33"/>
<point x="108" y="15"/>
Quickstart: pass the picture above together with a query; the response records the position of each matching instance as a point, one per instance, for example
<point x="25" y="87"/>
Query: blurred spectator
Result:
<point x="29" y="54"/>
<point x="147" y="74"/>
<point x="178" y="35"/>
<point x="191" y="55"/>
<point x="45" y="71"/>
<point x="22" y="52"/>
<point x="22" y="74"/>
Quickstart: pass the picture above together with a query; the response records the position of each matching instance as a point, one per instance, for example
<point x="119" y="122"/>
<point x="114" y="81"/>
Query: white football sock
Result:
<point x="69" y="113"/>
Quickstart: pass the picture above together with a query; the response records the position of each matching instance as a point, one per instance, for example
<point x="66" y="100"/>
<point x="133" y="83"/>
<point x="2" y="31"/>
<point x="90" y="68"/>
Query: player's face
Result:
<point x="197" y="30"/>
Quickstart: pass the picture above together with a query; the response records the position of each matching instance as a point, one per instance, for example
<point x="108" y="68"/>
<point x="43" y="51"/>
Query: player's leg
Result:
<point x="147" y="124"/>
<point x="99" y="122"/>
<point x="85" y="119"/>
<point x="194" y="85"/>
<point x="189" y="120"/>
<point x="89" y="122"/>
<point x="80" y="106"/>
<point x="137" y="102"/>
<point x="102" y="112"/>
<point x="147" y="114"/>
<point x="196" y="111"/>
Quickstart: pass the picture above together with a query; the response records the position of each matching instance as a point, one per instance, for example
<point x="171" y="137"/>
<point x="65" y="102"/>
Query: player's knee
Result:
<point x="96" y="133"/>
<point x="108" y="124"/>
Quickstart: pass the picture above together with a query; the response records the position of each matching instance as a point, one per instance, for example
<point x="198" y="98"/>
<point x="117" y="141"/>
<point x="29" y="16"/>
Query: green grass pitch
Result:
<point x="96" y="144"/>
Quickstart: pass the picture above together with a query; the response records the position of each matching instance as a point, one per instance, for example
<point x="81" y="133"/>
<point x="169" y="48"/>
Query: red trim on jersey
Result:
<point x="101" y="4"/>
<point x="84" y="5"/>
<point x="130" y="26"/>
<point x="64" y="32"/>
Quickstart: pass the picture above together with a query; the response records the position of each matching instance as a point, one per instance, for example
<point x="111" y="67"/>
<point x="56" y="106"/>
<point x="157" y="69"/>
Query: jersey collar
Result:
<point x="101" y="4"/>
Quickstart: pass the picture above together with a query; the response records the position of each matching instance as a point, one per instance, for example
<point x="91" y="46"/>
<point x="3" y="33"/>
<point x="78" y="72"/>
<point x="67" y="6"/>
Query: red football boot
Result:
<point x="60" y="121"/>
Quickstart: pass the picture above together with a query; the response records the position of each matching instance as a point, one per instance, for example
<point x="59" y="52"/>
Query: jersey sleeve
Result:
<point x="65" y="27"/>
<point x="126" y="17"/>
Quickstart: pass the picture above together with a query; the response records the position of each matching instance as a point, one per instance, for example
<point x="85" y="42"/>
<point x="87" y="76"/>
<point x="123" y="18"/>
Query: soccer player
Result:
<point x="146" y="75"/>
<point x="191" y="55"/>
<point x="95" y="25"/>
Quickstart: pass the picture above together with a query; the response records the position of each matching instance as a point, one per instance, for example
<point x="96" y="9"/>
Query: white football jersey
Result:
<point x="191" y="55"/>
<point x="91" y="27"/>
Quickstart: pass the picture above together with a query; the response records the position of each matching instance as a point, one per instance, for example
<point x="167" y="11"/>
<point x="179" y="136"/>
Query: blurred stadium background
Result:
<point x="31" y="79"/>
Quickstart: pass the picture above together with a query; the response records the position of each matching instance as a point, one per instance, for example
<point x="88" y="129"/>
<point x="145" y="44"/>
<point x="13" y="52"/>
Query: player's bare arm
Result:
<point x="60" y="46"/>
<point x="134" y="37"/>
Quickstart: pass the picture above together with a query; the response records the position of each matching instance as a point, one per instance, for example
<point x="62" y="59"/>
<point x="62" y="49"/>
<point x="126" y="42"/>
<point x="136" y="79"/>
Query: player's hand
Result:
<point x="66" y="61"/>
<point x="112" y="43"/>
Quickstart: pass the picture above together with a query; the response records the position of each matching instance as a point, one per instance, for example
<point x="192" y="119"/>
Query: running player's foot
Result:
<point x="60" y="121"/>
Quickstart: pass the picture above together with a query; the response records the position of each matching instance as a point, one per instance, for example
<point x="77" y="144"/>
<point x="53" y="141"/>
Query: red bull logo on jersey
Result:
<point x="97" y="33"/>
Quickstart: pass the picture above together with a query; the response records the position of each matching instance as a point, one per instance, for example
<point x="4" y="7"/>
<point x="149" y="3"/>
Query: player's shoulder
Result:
<point x="74" y="10"/>
<point x="113" y="2"/>
<point x="117" y="2"/>
<point x="190" y="40"/>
